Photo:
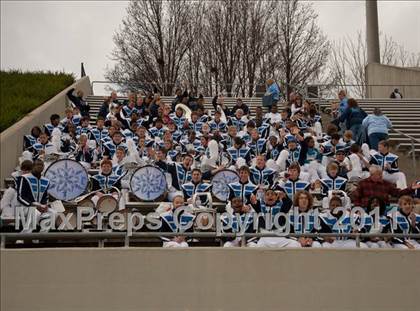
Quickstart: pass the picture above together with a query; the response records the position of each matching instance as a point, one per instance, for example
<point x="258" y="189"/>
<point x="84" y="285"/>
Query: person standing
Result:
<point x="272" y="95"/>
<point x="377" y="126"/>
<point x="353" y="117"/>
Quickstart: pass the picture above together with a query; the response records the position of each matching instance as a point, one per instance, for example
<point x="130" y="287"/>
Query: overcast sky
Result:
<point x="59" y="35"/>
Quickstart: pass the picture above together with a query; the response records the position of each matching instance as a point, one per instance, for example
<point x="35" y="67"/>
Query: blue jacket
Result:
<point x="353" y="116"/>
<point x="377" y="124"/>
<point x="273" y="89"/>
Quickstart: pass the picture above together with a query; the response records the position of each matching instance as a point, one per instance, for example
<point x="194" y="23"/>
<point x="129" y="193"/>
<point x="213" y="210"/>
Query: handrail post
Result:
<point x="126" y="240"/>
<point x="3" y="242"/>
<point x="358" y="240"/>
<point x="413" y="151"/>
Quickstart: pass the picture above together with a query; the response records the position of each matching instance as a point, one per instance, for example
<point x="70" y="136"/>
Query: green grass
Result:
<point x="21" y="92"/>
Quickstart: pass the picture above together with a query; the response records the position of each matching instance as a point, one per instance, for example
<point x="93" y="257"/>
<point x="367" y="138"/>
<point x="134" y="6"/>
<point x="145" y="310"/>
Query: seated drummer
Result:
<point x="105" y="180"/>
<point x="184" y="223"/>
<point x="180" y="174"/>
<point x="194" y="186"/>
<point x="243" y="188"/>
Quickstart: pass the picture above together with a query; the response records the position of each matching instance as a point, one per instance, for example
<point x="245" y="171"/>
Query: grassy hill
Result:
<point x="22" y="92"/>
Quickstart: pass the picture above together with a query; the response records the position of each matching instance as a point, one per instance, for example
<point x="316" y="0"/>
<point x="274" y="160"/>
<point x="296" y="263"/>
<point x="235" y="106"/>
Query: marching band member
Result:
<point x="111" y="147"/>
<point x="180" y="174"/>
<point x="244" y="188"/>
<point x="261" y="174"/>
<point x="55" y="123"/>
<point x="169" y="224"/>
<point x="291" y="182"/>
<point x="33" y="196"/>
<point x="332" y="181"/>
<point x="405" y="221"/>
<point x="9" y="201"/>
<point x="31" y="139"/>
<point x="194" y="186"/>
<point x="84" y="154"/>
<point x="217" y="124"/>
<point x="240" y="154"/>
<point x="243" y="213"/>
<point x="389" y="164"/>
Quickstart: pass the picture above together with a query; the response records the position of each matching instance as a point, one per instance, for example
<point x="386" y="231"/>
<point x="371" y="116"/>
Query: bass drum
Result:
<point x="220" y="182"/>
<point x="148" y="183"/>
<point x="68" y="179"/>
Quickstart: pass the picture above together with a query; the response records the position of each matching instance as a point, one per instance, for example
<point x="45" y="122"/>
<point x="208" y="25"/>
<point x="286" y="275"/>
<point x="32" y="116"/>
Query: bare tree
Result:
<point x="151" y="44"/>
<point x="228" y="45"/>
<point x="349" y="58"/>
<point x="303" y="48"/>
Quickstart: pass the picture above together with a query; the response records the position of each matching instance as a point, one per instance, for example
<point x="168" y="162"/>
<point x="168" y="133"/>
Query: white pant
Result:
<point x="35" y="217"/>
<point x="379" y="244"/>
<point x="402" y="246"/>
<point x="343" y="244"/>
<point x="397" y="178"/>
<point x="172" y="244"/>
<point x="237" y="242"/>
<point x="277" y="242"/>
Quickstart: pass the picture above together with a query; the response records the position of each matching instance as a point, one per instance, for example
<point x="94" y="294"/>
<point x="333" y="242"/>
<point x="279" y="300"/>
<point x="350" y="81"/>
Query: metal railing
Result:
<point x="413" y="140"/>
<point x="102" y="237"/>
<point x="242" y="89"/>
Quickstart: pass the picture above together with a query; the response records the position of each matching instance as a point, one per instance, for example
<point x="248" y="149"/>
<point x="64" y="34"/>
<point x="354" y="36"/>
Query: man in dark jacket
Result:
<point x="79" y="102"/>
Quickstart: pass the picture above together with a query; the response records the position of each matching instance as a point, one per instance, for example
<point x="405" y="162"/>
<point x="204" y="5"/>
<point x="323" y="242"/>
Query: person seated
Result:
<point x="84" y="153"/>
<point x="217" y="124"/>
<point x="240" y="105"/>
<point x="356" y="163"/>
<point x="184" y="223"/>
<point x="158" y="130"/>
<point x="179" y="119"/>
<point x="190" y="142"/>
<point x="343" y="166"/>
<point x="242" y="213"/>
<point x="229" y="138"/>
<point x="273" y="117"/>
<point x="118" y="161"/>
<point x="43" y="148"/>
<point x="180" y="173"/>
<point x="70" y="118"/>
<point x="99" y="132"/>
<point x="346" y="141"/>
<point x="84" y="127"/>
<point x="196" y="185"/>
<point x="105" y="182"/>
<point x="238" y="120"/>
<point x="329" y="148"/>
<point x="111" y="147"/>
<point x="32" y="195"/>
<point x="257" y="144"/>
<point x="291" y="183"/>
<point x="274" y="147"/>
<point x="243" y="188"/>
<point x="332" y="181"/>
<point x="130" y="131"/>
<point x="31" y="139"/>
<point x="262" y="175"/>
<point x="195" y="124"/>
<point x="407" y="222"/>
<point x="337" y="219"/>
<point x="377" y="221"/>
<point x="376" y="186"/>
<point x="54" y="123"/>
<point x="240" y="153"/>
<point x="302" y="219"/>
<point x="9" y="202"/>
<point x="389" y="164"/>
<point x="295" y="150"/>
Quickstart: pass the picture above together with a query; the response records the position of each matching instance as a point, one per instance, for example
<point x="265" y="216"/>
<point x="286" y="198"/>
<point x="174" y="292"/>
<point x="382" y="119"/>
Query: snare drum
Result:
<point x="107" y="204"/>
<point x="68" y="179"/>
<point x="220" y="182"/>
<point x="148" y="183"/>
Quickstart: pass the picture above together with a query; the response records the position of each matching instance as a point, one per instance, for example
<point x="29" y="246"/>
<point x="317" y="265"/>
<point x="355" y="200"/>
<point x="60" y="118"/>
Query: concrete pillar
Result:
<point x="372" y="32"/>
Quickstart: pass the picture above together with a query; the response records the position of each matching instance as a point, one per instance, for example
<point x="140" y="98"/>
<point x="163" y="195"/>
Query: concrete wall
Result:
<point x="11" y="140"/>
<point x="392" y="77"/>
<point x="209" y="279"/>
